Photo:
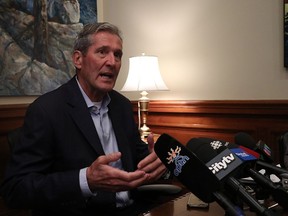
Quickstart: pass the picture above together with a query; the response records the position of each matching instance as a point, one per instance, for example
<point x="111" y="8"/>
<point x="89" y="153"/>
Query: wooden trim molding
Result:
<point x="252" y="107"/>
<point x="262" y="119"/>
<point x="220" y="119"/>
<point x="11" y="117"/>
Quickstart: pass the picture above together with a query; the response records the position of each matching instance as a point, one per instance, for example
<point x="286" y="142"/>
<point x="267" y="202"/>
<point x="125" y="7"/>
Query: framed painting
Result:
<point x="36" y="41"/>
<point x="286" y="33"/>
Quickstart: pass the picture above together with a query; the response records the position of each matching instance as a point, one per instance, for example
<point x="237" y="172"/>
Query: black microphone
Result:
<point x="226" y="166"/>
<point x="265" y="161"/>
<point x="272" y="168"/>
<point x="199" y="145"/>
<point x="261" y="147"/>
<point x="191" y="172"/>
<point x="278" y="192"/>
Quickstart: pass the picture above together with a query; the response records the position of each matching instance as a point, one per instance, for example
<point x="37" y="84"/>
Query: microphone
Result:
<point x="191" y="172"/>
<point x="279" y="193"/>
<point x="265" y="161"/>
<point x="225" y="166"/>
<point x="182" y="163"/>
<point x="274" y="169"/>
<point x="199" y="145"/>
<point x="260" y="147"/>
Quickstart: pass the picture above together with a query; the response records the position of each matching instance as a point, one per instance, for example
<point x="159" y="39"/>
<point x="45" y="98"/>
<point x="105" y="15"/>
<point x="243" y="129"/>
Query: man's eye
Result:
<point x="118" y="55"/>
<point x="101" y="52"/>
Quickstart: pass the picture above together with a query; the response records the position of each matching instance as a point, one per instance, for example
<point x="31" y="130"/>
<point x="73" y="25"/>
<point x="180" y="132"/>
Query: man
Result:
<point x="80" y="152"/>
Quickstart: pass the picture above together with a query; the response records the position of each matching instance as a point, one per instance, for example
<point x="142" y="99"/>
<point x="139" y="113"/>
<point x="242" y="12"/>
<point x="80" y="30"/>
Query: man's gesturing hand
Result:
<point x="102" y="176"/>
<point x="152" y="164"/>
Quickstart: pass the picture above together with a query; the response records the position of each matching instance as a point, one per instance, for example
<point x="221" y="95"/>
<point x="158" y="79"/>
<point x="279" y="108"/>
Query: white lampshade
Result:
<point x="144" y="75"/>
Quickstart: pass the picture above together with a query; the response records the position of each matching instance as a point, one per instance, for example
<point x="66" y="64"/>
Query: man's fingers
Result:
<point x="147" y="160"/>
<point x="106" y="159"/>
<point x="100" y="168"/>
<point x="150" y="141"/>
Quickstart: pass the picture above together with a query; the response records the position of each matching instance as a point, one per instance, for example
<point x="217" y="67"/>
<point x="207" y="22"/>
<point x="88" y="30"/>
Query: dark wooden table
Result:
<point x="178" y="207"/>
<point x="160" y="205"/>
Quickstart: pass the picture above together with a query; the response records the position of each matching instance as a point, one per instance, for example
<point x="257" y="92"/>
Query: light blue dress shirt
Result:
<point x="103" y="125"/>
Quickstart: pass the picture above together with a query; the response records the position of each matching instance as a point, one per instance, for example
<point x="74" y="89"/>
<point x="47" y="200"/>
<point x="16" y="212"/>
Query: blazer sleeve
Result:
<point x="29" y="181"/>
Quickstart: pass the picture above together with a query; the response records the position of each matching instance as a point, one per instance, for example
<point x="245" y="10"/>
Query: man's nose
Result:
<point x="111" y="59"/>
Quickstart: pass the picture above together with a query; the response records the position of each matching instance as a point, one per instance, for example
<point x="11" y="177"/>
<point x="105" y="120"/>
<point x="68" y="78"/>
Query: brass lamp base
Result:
<point x="143" y="107"/>
<point x="144" y="132"/>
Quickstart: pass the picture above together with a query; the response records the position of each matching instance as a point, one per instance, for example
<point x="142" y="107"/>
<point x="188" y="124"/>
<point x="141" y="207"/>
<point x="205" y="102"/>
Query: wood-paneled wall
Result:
<point x="11" y="117"/>
<point x="262" y="119"/>
<point x="265" y="120"/>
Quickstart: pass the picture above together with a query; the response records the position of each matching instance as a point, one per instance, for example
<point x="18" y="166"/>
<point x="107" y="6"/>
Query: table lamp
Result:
<point x="144" y="75"/>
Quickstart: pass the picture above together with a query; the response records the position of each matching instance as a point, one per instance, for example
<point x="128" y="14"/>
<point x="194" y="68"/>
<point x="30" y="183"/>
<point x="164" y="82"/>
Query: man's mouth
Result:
<point x="107" y="75"/>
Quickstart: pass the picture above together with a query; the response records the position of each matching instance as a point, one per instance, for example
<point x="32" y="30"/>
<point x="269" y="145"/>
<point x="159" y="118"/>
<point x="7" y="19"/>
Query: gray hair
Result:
<point x="83" y="42"/>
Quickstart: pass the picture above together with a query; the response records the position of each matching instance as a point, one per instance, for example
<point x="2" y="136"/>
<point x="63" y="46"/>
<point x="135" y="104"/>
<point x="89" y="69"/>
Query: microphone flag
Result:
<point x="187" y="167"/>
<point x="224" y="163"/>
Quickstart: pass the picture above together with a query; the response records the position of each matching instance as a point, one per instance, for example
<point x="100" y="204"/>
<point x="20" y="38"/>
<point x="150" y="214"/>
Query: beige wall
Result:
<point x="207" y="49"/>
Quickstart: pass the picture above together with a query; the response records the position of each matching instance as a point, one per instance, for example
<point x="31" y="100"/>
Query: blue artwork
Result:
<point x="36" y="41"/>
<point x="88" y="9"/>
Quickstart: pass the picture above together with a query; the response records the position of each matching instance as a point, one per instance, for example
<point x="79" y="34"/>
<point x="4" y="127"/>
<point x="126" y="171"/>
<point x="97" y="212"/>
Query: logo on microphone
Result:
<point x="262" y="146"/>
<point x="216" y="144"/>
<point x="223" y="164"/>
<point x="244" y="156"/>
<point x="177" y="159"/>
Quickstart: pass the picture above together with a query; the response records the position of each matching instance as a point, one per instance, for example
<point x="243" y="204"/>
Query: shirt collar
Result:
<point x="106" y="100"/>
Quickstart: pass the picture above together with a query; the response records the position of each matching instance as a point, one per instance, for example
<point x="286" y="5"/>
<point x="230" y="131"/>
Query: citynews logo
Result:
<point x="223" y="164"/>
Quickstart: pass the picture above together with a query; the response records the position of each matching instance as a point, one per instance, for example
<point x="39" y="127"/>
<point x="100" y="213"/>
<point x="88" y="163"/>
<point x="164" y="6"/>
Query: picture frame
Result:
<point x="286" y="33"/>
<point x="36" y="43"/>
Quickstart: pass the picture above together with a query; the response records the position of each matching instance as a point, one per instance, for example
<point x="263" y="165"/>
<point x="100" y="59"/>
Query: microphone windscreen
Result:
<point x="194" y="144"/>
<point x="199" y="147"/>
<point x="245" y="140"/>
<point x="221" y="157"/>
<point x="264" y="148"/>
<point x="263" y="151"/>
<point x="251" y="152"/>
<point x="230" y="163"/>
<point x="187" y="167"/>
<point x="218" y="144"/>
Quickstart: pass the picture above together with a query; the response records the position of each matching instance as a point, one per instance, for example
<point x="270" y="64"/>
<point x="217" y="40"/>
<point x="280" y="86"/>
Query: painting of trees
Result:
<point x="36" y="41"/>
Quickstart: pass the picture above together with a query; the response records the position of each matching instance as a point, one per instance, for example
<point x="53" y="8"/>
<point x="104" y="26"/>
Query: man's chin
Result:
<point x="106" y="88"/>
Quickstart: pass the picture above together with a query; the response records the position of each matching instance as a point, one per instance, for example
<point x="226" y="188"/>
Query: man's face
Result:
<point x="99" y="68"/>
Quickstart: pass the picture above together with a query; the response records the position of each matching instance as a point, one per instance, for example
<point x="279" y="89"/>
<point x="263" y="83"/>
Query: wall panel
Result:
<point x="265" y="120"/>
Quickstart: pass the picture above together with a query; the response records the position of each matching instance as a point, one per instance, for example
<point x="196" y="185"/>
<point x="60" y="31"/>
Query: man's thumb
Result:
<point x="150" y="141"/>
<point x="112" y="157"/>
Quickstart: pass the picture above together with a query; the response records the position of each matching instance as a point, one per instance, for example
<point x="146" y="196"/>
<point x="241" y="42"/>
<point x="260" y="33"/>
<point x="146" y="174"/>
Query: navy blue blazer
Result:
<point x="58" y="139"/>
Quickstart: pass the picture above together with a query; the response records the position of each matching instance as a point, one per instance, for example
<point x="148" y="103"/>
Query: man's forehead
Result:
<point x="106" y="38"/>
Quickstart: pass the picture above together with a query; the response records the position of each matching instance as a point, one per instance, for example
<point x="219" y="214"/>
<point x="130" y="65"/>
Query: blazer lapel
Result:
<point x="80" y="114"/>
<point x="120" y="137"/>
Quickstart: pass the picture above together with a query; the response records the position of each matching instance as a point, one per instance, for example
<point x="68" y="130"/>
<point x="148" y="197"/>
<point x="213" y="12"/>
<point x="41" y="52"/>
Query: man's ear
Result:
<point x="77" y="59"/>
